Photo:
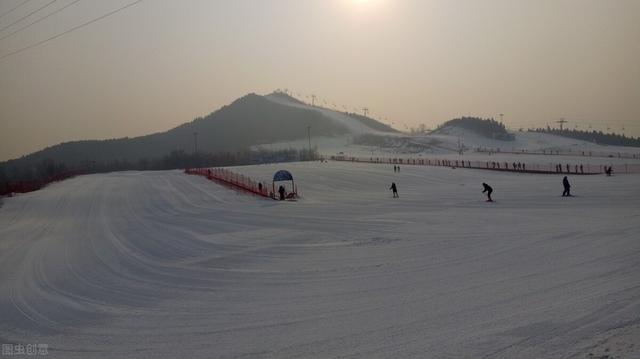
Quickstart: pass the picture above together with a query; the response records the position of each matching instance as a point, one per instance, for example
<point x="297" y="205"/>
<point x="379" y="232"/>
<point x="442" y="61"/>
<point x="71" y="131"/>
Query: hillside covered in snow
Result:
<point x="165" y="265"/>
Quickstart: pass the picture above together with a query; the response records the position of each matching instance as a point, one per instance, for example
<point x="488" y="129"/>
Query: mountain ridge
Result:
<point x="248" y="121"/>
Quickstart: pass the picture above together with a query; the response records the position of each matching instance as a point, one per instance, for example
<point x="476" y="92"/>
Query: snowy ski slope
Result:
<point x="530" y="141"/>
<point x="165" y="265"/>
<point x="446" y="142"/>
<point x="353" y="125"/>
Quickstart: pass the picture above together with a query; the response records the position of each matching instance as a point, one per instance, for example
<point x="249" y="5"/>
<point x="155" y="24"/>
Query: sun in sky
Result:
<point x="366" y="6"/>
<point x="364" y="3"/>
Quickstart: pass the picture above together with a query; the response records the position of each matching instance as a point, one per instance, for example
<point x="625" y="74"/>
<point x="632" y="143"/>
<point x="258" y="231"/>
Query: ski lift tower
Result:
<point x="561" y="121"/>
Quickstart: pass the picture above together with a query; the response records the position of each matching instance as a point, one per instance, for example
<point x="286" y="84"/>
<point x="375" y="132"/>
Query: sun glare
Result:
<point x="362" y="2"/>
<point x="365" y="5"/>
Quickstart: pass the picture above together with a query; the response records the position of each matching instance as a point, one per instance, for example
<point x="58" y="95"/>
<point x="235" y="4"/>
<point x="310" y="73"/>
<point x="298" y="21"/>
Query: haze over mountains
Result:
<point x="249" y="121"/>
<point x="258" y="129"/>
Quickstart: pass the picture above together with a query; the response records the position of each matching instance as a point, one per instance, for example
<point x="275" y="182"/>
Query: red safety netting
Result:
<point x="10" y="188"/>
<point x="232" y="179"/>
<point x="567" y="168"/>
<point x="562" y="152"/>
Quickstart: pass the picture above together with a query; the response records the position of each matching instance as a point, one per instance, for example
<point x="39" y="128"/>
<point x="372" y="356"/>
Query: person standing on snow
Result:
<point x="394" y="189"/>
<point x="281" y="192"/>
<point x="488" y="190"/>
<point x="567" y="187"/>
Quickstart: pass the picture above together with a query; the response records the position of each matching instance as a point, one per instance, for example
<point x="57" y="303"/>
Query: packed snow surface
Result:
<point x="166" y="265"/>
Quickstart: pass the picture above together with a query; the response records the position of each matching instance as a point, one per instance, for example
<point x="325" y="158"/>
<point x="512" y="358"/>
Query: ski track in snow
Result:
<point x="165" y="265"/>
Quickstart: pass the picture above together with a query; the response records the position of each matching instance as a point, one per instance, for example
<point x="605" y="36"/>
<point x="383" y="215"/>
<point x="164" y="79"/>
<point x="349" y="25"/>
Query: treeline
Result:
<point x="49" y="170"/>
<point x="485" y="127"/>
<point x="599" y="137"/>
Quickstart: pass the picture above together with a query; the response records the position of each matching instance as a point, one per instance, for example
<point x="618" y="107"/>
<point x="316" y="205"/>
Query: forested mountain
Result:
<point x="489" y="128"/>
<point x="250" y="120"/>
<point x="593" y="136"/>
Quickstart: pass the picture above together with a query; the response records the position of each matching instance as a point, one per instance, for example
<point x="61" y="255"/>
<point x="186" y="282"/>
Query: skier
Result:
<point x="609" y="170"/>
<point x="394" y="189"/>
<point x="281" y="192"/>
<point x="489" y="190"/>
<point x="567" y="187"/>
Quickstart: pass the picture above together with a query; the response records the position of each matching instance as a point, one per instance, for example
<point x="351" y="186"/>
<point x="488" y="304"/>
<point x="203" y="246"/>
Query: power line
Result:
<point x="29" y="14"/>
<point x="11" y="10"/>
<point x="70" y="30"/>
<point x="40" y="19"/>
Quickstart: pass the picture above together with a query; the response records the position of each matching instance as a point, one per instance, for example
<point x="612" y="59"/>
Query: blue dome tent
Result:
<point x="282" y="175"/>
<point x="285" y="176"/>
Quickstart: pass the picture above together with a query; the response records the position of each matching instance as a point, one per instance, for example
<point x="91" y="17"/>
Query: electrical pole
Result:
<point x="365" y="111"/>
<point x="313" y="100"/>
<point x="501" y="118"/>
<point x="562" y="121"/>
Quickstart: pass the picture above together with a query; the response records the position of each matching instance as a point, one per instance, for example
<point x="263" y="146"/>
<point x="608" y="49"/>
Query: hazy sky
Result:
<point x="161" y="63"/>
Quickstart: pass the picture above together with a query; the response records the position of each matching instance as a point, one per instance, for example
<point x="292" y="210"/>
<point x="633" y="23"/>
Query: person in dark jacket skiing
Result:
<point x="567" y="187"/>
<point x="489" y="190"/>
<point x="281" y="192"/>
<point x="394" y="189"/>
